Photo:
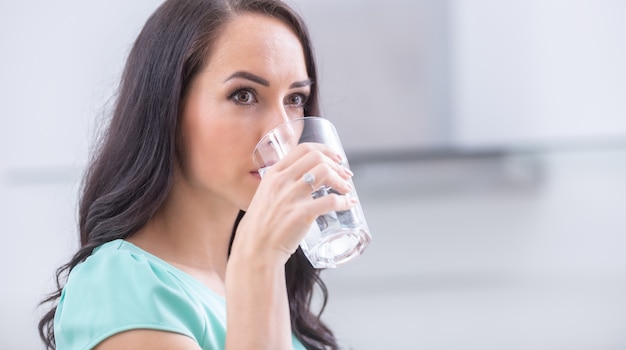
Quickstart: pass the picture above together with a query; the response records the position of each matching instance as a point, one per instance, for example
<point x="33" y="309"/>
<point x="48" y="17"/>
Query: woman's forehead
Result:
<point x="259" y="43"/>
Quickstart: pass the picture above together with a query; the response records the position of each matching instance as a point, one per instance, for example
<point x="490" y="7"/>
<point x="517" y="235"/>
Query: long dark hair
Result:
<point x="131" y="170"/>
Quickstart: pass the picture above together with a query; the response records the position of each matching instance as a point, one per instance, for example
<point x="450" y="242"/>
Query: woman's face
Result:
<point x="255" y="79"/>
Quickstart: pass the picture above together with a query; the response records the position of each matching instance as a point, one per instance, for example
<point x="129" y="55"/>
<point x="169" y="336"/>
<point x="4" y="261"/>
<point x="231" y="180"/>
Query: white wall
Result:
<point x="538" y="71"/>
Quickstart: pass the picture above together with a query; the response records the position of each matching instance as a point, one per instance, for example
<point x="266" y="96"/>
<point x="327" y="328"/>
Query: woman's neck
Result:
<point x="191" y="230"/>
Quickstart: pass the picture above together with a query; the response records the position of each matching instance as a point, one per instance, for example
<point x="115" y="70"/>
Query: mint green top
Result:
<point x="122" y="287"/>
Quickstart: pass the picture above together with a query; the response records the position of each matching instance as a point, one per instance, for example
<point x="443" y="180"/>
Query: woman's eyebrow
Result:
<point x="257" y="79"/>
<point x="249" y="76"/>
<point x="303" y="83"/>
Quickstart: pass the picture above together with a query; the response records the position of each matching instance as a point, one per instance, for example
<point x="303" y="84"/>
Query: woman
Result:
<point x="167" y="259"/>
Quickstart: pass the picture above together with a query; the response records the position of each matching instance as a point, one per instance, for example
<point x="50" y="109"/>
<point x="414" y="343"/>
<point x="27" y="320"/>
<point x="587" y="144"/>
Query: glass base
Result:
<point x="338" y="248"/>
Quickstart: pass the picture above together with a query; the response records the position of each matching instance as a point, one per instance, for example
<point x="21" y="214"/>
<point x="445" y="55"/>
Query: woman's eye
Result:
<point x="243" y="96"/>
<point x="297" y="100"/>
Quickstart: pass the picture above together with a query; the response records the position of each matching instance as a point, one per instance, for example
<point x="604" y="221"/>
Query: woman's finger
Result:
<point x="317" y="151"/>
<point x="311" y="209"/>
<point x="327" y="175"/>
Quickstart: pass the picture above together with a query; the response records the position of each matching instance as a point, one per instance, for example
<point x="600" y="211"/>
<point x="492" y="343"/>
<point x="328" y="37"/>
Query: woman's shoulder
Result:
<point x="120" y="265"/>
<point x="108" y="259"/>
<point x="120" y="287"/>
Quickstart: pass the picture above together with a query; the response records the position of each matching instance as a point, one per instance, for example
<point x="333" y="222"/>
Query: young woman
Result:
<point x="167" y="259"/>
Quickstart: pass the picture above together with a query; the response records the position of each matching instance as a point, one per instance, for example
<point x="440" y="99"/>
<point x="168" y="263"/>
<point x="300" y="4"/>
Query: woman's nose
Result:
<point x="276" y="117"/>
<point x="285" y="135"/>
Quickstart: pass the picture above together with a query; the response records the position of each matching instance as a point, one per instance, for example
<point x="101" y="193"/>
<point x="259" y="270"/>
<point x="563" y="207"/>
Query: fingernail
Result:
<point x="348" y="171"/>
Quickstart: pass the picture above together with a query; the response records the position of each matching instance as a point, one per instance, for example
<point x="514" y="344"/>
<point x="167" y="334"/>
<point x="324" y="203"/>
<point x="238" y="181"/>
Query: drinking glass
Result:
<point x="335" y="237"/>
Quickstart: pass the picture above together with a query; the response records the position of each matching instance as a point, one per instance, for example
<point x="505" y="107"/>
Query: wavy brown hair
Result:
<point x="130" y="173"/>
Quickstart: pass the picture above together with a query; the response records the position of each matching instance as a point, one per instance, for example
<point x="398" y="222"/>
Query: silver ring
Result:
<point x="310" y="179"/>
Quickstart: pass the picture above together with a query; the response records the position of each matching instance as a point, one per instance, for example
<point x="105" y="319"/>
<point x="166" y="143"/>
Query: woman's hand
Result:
<point x="282" y="210"/>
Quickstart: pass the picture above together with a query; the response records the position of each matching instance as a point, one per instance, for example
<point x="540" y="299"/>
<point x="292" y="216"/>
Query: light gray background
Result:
<point x="503" y="228"/>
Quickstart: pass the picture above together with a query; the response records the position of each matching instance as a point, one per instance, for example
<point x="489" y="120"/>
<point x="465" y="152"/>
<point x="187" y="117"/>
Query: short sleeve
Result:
<point x="116" y="291"/>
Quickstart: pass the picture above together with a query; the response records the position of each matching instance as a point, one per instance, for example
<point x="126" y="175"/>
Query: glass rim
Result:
<point x="304" y="118"/>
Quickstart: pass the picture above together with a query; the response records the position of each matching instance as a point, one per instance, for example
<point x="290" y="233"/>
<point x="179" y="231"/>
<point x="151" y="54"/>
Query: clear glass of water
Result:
<point x="336" y="237"/>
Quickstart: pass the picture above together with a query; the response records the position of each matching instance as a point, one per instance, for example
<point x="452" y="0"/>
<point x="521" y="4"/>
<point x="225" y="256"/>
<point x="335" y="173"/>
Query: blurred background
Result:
<point x="488" y="139"/>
